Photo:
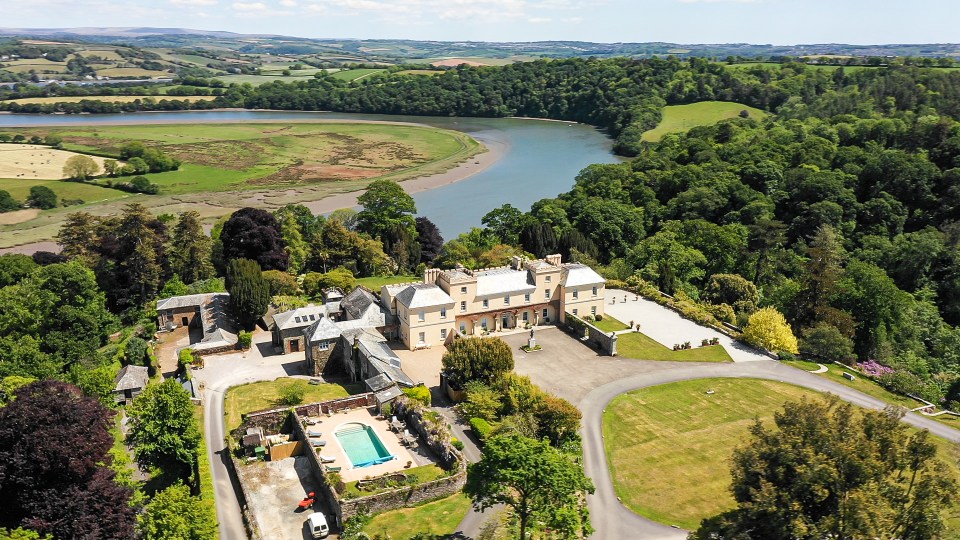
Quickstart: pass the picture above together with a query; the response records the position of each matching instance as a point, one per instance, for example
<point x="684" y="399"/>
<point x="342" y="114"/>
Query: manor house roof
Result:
<point x="576" y="274"/>
<point x="502" y="281"/>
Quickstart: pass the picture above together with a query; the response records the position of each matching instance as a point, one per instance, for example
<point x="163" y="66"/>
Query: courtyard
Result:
<point x="274" y="489"/>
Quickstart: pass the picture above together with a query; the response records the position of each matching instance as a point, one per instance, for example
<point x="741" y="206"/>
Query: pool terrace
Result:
<point x="416" y="454"/>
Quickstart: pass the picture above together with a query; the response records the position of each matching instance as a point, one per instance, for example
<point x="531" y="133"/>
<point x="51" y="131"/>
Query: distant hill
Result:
<point x="386" y="49"/>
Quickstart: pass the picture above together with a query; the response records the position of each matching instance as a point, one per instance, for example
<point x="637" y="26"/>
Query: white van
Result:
<point x="317" y="525"/>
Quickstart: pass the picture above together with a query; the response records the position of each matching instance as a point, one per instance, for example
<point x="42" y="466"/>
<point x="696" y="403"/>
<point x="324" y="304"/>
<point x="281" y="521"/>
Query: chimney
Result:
<point x="516" y="262"/>
<point x="553" y="259"/>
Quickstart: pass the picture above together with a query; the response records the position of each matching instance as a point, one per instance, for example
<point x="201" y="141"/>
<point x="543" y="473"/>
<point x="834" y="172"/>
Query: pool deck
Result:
<point x="328" y="425"/>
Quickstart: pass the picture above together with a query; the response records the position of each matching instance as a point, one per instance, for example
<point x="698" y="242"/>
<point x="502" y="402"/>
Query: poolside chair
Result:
<point x="314" y="433"/>
<point x="408" y="439"/>
<point x="316" y="443"/>
<point x="327" y="459"/>
<point x="333" y="469"/>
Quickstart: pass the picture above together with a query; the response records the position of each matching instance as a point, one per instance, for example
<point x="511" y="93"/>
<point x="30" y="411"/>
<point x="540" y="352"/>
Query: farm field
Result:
<point x="257" y="80"/>
<point x="680" y="118"/>
<point x="668" y="447"/>
<point x="131" y="72"/>
<point x="105" y="99"/>
<point x="354" y="74"/>
<point x="224" y="162"/>
<point x="419" y="72"/>
<point x="40" y="65"/>
<point x="35" y="162"/>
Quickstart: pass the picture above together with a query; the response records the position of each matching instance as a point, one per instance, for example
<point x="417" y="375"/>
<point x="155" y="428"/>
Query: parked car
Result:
<point x="317" y="525"/>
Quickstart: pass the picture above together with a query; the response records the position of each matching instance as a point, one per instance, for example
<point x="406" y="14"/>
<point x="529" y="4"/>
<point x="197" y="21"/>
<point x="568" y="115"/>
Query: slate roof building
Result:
<point x="213" y="328"/>
<point x="288" y="327"/>
<point x="129" y="383"/>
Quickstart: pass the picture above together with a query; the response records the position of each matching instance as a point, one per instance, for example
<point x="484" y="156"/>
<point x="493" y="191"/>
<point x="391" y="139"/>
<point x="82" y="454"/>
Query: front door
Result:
<point x="185" y="321"/>
<point x="295" y="346"/>
<point x="506" y="320"/>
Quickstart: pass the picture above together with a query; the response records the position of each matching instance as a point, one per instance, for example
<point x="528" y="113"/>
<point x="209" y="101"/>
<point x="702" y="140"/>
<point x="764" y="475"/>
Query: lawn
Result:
<point x="609" y="324"/>
<point x="424" y="473"/>
<point x="439" y="517"/>
<point x="354" y="74"/>
<point x="638" y="345"/>
<point x="264" y="395"/>
<point x="376" y="282"/>
<point x="668" y="447"/>
<point x="680" y="118"/>
<point x="131" y="72"/>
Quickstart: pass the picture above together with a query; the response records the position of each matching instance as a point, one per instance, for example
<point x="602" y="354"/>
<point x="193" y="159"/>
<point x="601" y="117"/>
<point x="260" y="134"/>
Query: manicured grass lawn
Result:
<point x="638" y="345"/>
<point x="425" y="473"/>
<point x="680" y="118"/>
<point x="374" y="283"/>
<point x="609" y="324"/>
<point x="668" y="447"/>
<point x="264" y="395"/>
<point x="439" y="517"/>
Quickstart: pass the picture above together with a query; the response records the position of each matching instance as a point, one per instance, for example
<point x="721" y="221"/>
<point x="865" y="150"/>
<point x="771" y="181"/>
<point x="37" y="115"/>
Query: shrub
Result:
<point x="292" y="393"/>
<point x="386" y="409"/>
<point x="244" y="339"/>
<point x="477" y="359"/>
<point x="186" y="357"/>
<point x="420" y="394"/>
<point x="136" y="352"/>
<point x="480" y="427"/>
<point x="281" y="283"/>
<point x="598" y="317"/>
<point x="457" y="443"/>
<point x="482" y="401"/>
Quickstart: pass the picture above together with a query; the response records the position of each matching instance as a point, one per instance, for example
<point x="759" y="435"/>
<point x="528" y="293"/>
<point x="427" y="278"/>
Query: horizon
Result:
<point x="694" y="22"/>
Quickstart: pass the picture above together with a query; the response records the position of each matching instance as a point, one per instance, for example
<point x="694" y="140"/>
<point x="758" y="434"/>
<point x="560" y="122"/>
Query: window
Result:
<point x="526" y="316"/>
<point x="574" y="311"/>
<point x="547" y="278"/>
<point x="463" y="305"/>
<point x="594" y="290"/>
<point x="575" y="294"/>
<point x="545" y="312"/>
<point x="486" y="303"/>
<point x="443" y="333"/>
<point x="297" y="319"/>
<point x="443" y="313"/>
<point x="422" y="316"/>
<point x="483" y="323"/>
<point x="546" y="293"/>
<point x="526" y="298"/>
<point x="313" y="317"/>
<point x="323" y="345"/>
<point x="463" y="328"/>
<point x="506" y="300"/>
<point x="593" y="310"/>
<point x="422" y="337"/>
<point x="463" y="290"/>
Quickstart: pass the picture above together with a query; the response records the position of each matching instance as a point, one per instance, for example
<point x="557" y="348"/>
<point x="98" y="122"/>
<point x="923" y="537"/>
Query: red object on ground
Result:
<point x="306" y="503"/>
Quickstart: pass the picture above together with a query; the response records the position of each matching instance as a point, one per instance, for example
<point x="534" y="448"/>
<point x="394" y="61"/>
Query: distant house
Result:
<point x="208" y="313"/>
<point x="288" y="327"/>
<point x="129" y="383"/>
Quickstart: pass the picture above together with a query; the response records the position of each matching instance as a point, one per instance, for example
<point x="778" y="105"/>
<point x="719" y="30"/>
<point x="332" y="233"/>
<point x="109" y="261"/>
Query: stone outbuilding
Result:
<point x="129" y="383"/>
<point x="288" y="327"/>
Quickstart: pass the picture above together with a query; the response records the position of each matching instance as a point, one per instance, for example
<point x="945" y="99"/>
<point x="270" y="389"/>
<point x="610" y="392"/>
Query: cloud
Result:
<point x="539" y="20"/>
<point x="288" y="3"/>
<point x="193" y="2"/>
<point x="249" y="6"/>
<point x="719" y="1"/>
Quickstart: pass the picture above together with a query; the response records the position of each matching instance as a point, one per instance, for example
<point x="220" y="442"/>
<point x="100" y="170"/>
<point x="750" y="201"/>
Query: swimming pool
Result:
<point x="362" y="445"/>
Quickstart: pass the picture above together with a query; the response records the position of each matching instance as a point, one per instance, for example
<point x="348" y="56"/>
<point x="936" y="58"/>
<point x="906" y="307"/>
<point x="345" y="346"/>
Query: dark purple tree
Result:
<point x="430" y="240"/>
<point x="54" y="444"/>
<point x="44" y="258"/>
<point x="254" y="234"/>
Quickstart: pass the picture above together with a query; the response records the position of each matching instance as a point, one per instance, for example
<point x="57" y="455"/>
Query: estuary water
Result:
<point x="539" y="158"/>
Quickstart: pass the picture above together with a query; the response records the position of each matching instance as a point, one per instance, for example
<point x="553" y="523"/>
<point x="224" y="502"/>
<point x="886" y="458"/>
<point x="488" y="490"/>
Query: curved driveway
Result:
<point x="572" y="371"/>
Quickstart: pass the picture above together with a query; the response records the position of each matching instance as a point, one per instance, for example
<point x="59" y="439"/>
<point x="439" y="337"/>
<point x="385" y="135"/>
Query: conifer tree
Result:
<point x="190" y="256"/>
<point x="249" y="291"/>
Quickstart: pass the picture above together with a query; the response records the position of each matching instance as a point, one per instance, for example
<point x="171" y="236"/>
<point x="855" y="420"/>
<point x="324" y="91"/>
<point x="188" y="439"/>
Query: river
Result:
<point x="540" y="158"/>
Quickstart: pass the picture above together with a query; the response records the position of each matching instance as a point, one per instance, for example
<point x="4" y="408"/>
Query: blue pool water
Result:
<point x="362" y="445"/>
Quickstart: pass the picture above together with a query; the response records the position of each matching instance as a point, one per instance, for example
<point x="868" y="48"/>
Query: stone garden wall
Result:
<point x="596" y="338"/>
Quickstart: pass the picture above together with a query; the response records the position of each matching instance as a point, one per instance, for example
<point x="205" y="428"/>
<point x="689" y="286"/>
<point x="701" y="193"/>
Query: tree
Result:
<point x="768" y="329"/>
<point x="385" y="204"/>
<point x="80" y="168"/>
<point x="137" y="257"/>
<point x="281" y="283"/>
<point x="42" y="197"/>
<point x="54" y="140"/>
<point x="175" y="515"/>
<point x="79" y="236"/>
<point x="664" y="260"/>
<point x="164" y="432"/>
<point x="826" y="342"/>
<point x="820" y="276"/>
<point x="254" y="234"/>
<point x="558" y="421"/>
<point x="431" y="242"/>
<point x="7" y="202"/>
<point x="14" y="267"/>
<point x="831" y="471"/>
<point x="314" y="283"/>
<point x="55" y="476"/>
<point x="110" y="166"/>
<point x="538" y="238"/>
<point x="249" y="291"/>
<point x="297" y="248"/>
<point x="399" y="242"/>
<point x="504" y="223"/>
<point x="541" y="484"/>
<point x="477" y="359"/>
<point x="731" y="289"/>
<point x="191" y="258"/>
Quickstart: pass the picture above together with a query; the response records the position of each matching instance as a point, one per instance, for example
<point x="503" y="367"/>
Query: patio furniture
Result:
<point x="314" y="433"/>
<point x="327" y="459"/>
<point x="311" y="421"/>
<point x="408" y="439"/>
<point x="333" y="469"/>
<point x="318" y="444"/>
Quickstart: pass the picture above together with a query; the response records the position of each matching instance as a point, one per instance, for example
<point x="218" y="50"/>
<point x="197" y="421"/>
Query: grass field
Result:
<point x="264" y="395"/>
<point x="131" y="72"/>
<point x="668" y="447"/>
<point x="419" y="72"/>
<point x="680" y="118"/>
<point x="609" y="324"/>
<point x="35" y="162"/>
<point x="354" y="74"/>
<point x="439" y="517"/>
<point x="105" y="99"/>
<point x="638" y="345"/>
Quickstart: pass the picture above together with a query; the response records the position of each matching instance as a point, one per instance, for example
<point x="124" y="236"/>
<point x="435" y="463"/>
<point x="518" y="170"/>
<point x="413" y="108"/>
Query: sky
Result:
<point x="778" y="22"/>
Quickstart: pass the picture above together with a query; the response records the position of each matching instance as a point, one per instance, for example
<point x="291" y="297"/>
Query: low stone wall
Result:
<point x="405" y="496"/>
<point x="593" y="336"/>
<point x="274" y="420"/>
<point x="253" y="531"/>
<point x="326" y="492"/>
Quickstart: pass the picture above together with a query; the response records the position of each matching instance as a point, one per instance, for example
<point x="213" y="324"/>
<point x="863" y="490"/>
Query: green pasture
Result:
<point x="437" y="518"/>
<point x="680" y="118"/>
<point x="354" y="74"/>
